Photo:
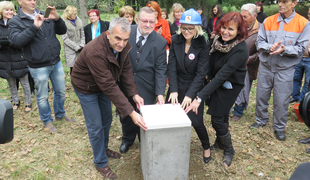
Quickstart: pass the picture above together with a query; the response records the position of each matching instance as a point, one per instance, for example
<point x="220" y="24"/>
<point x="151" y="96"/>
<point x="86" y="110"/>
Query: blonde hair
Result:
<point x="175" y="7"/>
<point x="198" y="30"/>
<point x="69" y="11"/>
<point x="6" y="5"/>
<point x="126" y="9"/>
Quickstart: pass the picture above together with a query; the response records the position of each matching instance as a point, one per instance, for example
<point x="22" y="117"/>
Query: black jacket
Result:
<point x="11" y="58"/>
<point x="261" y="17"/>
<point x="223" y="67"/>
<point x="104" y="26"/>
<point x="210" y="25"/>
<point x="40" y="45"/>
<point x="204" y="21"/>
<point x="173" y="28"/>
<point x="187" y="73"/>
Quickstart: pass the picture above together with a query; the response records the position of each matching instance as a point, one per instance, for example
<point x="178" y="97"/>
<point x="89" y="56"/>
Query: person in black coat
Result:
<point x="227" y="70"/>
<point x="96" y="27"/>
<point x="204" y="20"/>
<point x="187" y="68"/>
<point x="261" y="16"/>
<point x="13" y="65"/>
<point x="215" y="18"/>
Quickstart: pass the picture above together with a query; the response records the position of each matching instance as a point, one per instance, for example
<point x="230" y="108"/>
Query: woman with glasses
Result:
<point x="187" y="68"/>
<point x="96" y="26"/>
<point x="74" y="39"/>
<point x="128" y="13"/>
<point x="161" y="25"/>
<point x="174" y="17"/>
<point x="13" y="64"/>
<point x="227" y="69"/>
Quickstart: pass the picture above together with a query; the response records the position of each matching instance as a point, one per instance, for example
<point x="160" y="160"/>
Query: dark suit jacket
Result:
<point x="187" y="73"/>
<point x="151" y="71"/>
<point x="104" y="26"/>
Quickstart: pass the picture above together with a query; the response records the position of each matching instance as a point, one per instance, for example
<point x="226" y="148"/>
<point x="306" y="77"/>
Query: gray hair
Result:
<point x="125" y="26"/>
<point x="250" y="7"/>
<point x="146" y="10"/>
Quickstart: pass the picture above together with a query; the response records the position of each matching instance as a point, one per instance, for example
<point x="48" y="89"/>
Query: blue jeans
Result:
<point x="300" y="69"/>
<point x="238" y="110"/>
<point x="40" y="77"/>
<point x="98" y="117"/>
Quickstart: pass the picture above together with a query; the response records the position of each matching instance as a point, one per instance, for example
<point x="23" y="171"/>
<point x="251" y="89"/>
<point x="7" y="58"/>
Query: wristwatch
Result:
<point x="198" y="99"/>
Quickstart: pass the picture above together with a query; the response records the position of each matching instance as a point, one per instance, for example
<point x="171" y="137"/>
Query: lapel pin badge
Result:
<point x="191" y="56"/>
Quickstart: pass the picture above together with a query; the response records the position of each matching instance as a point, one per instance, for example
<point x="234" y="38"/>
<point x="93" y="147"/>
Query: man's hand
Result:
<point x="138" y="100"/>
<point x="194" y="106"/>
<point x="275" y="49"/>
<point x="38" y="20"/>
<point x="138" y="120"/>
<point x="173" y="98"/>
<point x="186" y="102"/>
<point x="160" y="99"/>
<point x="53" y="14"/>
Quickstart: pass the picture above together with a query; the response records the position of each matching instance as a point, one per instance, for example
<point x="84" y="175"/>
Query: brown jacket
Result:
<point x="97" y="70"/>
<point x="253" y="61"/>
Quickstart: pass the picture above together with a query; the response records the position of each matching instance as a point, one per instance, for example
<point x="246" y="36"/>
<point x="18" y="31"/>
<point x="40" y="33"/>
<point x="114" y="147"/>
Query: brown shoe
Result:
<point x="112" y="154"/>
<point x="236" y="117"/>
<point x="106" y="172"/>
<point x="66" y="118"/>
<point x="50" y="126"/>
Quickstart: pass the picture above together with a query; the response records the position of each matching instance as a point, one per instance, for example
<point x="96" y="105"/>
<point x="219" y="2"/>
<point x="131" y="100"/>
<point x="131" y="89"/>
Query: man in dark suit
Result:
<point x="149" y="67"/>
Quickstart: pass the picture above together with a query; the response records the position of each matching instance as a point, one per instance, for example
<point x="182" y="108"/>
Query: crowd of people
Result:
<point x="128" y="60"/>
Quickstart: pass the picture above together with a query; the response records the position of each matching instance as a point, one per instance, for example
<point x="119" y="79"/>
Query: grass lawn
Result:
<point x="37" y="154"/>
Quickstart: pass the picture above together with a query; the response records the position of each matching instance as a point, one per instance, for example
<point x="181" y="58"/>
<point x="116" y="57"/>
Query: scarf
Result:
<point x="224" y="48"/>
<point x="177" y="22"/>
<point x="97" y="29"/>
<point x="72" y="21"/>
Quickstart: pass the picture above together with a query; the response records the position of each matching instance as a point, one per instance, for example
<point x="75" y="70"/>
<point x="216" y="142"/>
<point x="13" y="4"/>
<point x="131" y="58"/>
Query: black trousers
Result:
<point x="220" y="124"/>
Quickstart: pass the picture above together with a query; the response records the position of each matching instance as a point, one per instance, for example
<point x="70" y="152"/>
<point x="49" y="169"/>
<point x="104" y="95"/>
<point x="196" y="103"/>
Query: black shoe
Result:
<point x="305" y="141"/>
<point x="206" y="159"/>
<point x="293" y="100"/>
<point x="308" y="151"/>
<point x="124" y="148"/>
<point x="256" y="125"/>
<point x="216" y="145"/>
<point x="280" y="135"/>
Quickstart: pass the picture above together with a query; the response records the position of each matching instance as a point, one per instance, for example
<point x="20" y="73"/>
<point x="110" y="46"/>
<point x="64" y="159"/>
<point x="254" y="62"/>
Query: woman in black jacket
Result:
<point x="187" y="68"/>
<point x="261" y="16"/>
<point x="227" y="69"/>
<point x="215" y="18"/>
<point x="174" y="17"/>
<point x="13" y="65"/>
<point x="96" y="27"/>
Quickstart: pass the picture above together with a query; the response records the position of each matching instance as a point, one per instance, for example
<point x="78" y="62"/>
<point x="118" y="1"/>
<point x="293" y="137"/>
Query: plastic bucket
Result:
<point x="296" y="108"/>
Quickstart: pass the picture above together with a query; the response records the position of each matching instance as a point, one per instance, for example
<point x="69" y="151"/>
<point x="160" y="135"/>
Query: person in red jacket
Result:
<point x="161" y="25"/>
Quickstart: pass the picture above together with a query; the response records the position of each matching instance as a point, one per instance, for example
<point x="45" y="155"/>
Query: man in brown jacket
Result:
<point x="249" y="13"/>
<point x="103" y="62"/>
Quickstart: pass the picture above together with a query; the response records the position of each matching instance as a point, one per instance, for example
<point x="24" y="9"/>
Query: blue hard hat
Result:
<point x="191" y="16"/>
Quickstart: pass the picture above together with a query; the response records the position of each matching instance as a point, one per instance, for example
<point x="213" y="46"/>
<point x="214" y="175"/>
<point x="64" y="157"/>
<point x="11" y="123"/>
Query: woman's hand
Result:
<point x="160" y="30"/>
<point x="186" y="102"/>
<point x="212" y="35"/>
<point x="173" y="97"/>
<point x="194" y="106"/>
<point x="138" y="100"/>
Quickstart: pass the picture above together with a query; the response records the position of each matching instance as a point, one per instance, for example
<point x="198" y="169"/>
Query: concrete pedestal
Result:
<point x="165" y="146"/>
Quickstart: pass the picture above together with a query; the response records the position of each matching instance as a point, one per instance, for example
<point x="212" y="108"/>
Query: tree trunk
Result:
<point x="83" y="12"/>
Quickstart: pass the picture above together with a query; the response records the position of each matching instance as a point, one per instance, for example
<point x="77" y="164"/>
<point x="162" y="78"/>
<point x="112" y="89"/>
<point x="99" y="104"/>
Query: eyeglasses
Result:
<point x="146" y="21"/>
<point x="187" y="29"/>
<point x="93" y="16"/>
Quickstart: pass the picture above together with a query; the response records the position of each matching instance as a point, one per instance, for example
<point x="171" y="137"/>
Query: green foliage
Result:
<point x="118" y="4"/>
